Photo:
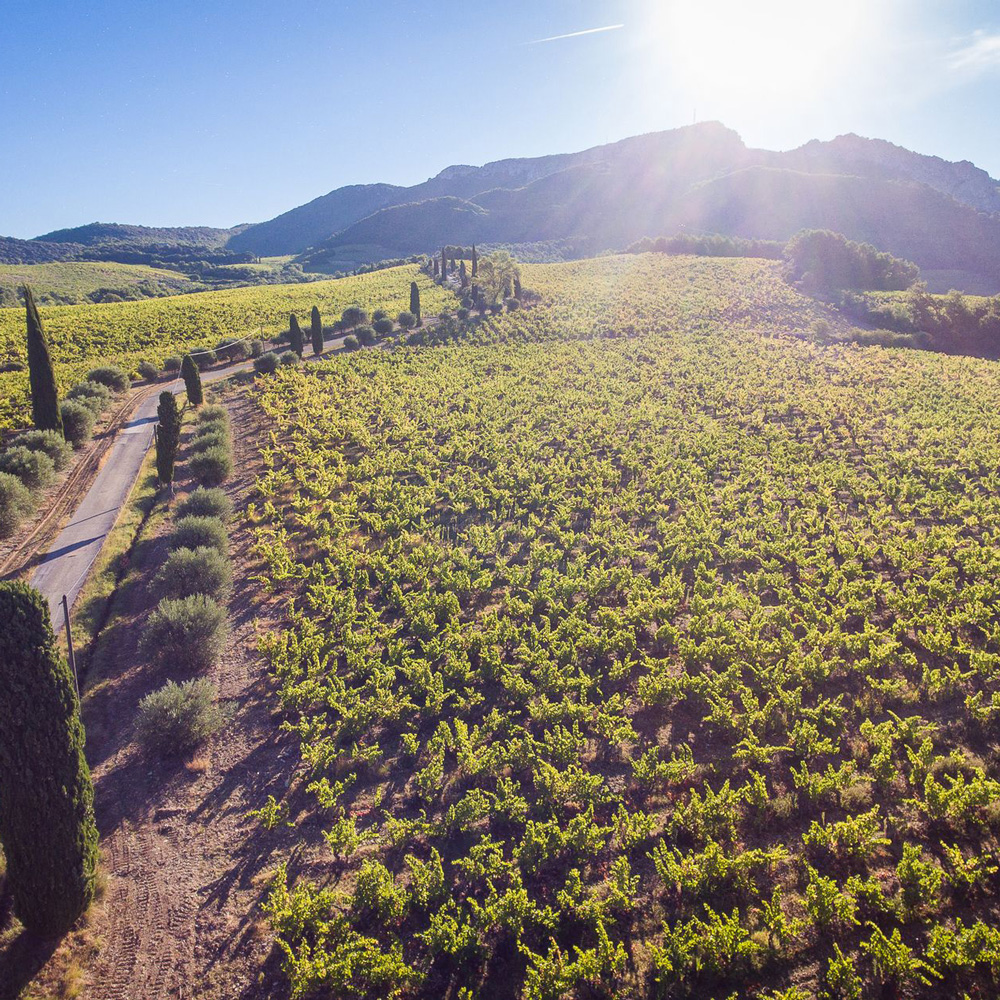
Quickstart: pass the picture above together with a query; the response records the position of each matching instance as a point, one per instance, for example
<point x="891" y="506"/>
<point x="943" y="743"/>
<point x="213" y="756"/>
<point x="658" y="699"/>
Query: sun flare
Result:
<point x="731" y="52"/>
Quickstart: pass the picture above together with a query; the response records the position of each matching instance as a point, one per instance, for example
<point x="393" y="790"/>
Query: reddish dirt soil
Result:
<point x="185" y="868"/>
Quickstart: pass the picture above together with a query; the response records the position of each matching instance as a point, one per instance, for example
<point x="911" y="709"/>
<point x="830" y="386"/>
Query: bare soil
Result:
<point x="184" y="868"/>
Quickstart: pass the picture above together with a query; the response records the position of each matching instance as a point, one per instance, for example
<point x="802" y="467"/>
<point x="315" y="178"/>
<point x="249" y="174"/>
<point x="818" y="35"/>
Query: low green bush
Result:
<point x="110" y="375"/>
<point x="94" y="395"/>
<point x="289" y="358"/>
<point x="189" y="632"/>
<point x="172" y="364"/>
<point x="193" y="532"/>
<point x="148" y="371"/>
<point x="195" y="571"/>
<point x="213" y="466"/>
<point x="365" y="335"/>
<point x="52" y="443"/>
<point x="78" y="422"/>
<point x="15" y="503"/>
<point x="204" y="502"/>
<point x="204" y="358"/>
<point x="383" y="327"/>
<point x="256" y="348"/>
<point x="406" y="320"/>
<point x="212" y="414"/>
<point x="178" y="717"/>
<point x="211" y="437"/>
<point x="266" y="364"/>
<point x="34" y="468"/>
<point x="351" y="342"/>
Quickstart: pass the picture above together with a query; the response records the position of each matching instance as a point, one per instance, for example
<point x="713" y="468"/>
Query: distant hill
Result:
<point x="699" y="179"/>
<point x="945" y="216"/>
<point x="102" y="233"/>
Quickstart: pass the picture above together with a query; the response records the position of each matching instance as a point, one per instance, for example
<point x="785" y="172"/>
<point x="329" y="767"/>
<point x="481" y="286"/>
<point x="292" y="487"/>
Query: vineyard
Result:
<point x="126" y="333"/>
<point x="639" y="645"/>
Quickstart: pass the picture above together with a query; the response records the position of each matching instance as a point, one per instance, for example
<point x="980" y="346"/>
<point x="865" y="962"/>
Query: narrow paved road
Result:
<point x="64" y="568"/>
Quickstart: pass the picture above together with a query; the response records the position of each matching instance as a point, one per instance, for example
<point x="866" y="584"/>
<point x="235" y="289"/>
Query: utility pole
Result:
<point x="69" y="644"/>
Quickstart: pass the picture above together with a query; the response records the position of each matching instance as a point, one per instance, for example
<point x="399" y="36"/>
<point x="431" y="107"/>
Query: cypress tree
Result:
<point x="47" y="816"/>
<point x="316" y="331"/>
<point x="437" y="270"/>
<point x="415" y="301"/>
<point x="168" y="436"/>
<point x="444" y="264"/>
<point x="517" y="286"/>
<point x="295" y="334"/>
<point x="192" y="381"/>
<point x="44" y="397"/>
<point x="463" y="274"/>
<point x="475" y="261"/>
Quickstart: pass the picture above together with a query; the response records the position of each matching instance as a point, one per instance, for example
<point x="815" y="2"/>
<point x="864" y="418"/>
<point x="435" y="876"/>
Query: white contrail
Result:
<point x="576" y="34"/>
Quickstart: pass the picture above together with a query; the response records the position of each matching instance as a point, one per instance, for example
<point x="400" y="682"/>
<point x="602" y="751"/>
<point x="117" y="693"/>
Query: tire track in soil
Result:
<point x="184" y="865"/>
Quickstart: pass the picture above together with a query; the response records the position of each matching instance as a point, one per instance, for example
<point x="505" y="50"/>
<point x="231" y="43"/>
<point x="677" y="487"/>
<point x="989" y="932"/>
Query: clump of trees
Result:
<point x="952" y="323"/>
<point x="822" y="261"/>
<point x="47" y="823"/>
<point x="709" y="245"/>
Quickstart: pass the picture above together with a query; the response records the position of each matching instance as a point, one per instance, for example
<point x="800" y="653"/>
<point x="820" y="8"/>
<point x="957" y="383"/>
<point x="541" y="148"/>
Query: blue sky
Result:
<point x="228" y="111"/>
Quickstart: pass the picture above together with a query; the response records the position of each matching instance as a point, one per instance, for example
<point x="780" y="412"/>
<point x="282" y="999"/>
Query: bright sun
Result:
<point x="730" y="53"/>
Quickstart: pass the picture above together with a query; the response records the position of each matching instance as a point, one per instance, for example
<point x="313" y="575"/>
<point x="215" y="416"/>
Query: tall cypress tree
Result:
<point x="444" y="264"/>
<point x="192" y="381"/>
<point x="295" y="334"/>
<point x="44" y="397"/>
<point x="475" y="261"/>
<point x="47" y="816"/>
<point x="316" y="331"/>
<point x="415" y="301"/>
<point x="463" y="274"/>
<point x="168" y="436"/>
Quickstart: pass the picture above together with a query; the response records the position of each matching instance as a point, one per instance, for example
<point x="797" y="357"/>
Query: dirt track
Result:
<point x="185" y="868"/>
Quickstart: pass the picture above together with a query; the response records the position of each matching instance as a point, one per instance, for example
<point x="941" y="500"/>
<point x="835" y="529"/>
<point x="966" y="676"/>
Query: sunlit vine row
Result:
<point x="126" y="333"/>
<point x="649" y="650"/>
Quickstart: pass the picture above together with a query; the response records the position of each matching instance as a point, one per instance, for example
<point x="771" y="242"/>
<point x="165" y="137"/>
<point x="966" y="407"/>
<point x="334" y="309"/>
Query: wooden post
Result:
<point x="69" y="644"/>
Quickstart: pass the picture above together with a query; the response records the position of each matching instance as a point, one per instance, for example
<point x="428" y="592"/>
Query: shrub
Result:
<point x="205" y="503"/>
<point x="406" y="320"/>
<point x="366" y="335"/>
<point x="195" y="571"/>
<point x="194" y="532"/>
<point x="351" y="342"/>
<point x="266" y="364"/>
<point x="78" y="422"/>
<point x="213" y="413"/>
<point x="172" y="364"/>
<point x="148" y="371"/>
<point x="213" y="466"/>
<point x="204" y="358"/>
<point x="110" y="375"/>
<point x="15" y="503"/>
<point x="378" y="315"/>
<point x="383" y="326"/>
<point x="353" y="316"/>
<point x="52" y="443"/>
<point x="462" y="314"/>
<point x="34" y="468"/>
<point x="178" y="717"/>
<point x="512" y="304"/>
<point x="211" y="436"/>
<point x="189" y="632"/>
<point x="256" y="347"/>
<point x="94" y="395"/>
<point x="289" y="358"/>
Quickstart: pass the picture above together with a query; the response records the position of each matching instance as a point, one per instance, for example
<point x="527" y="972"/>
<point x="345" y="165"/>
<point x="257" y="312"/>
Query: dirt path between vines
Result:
<point x="185" y="868"/>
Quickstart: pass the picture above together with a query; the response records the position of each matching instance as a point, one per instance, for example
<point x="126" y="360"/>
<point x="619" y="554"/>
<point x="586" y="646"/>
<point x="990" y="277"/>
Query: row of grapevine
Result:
<point x="650" y="648"/>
